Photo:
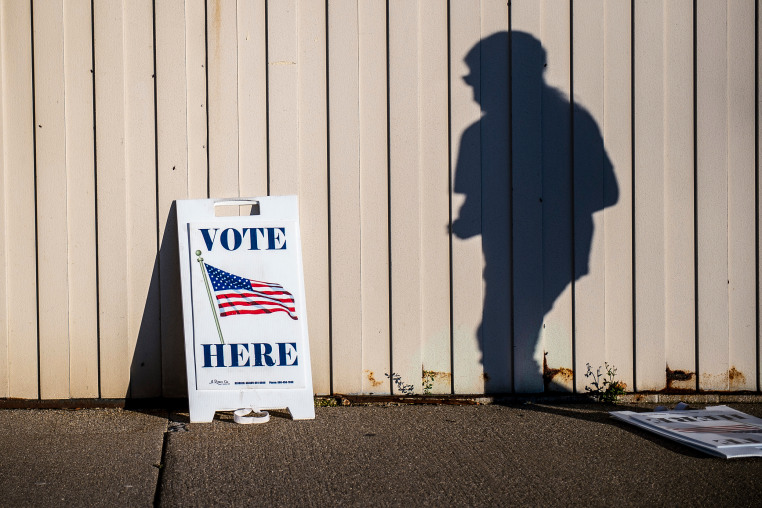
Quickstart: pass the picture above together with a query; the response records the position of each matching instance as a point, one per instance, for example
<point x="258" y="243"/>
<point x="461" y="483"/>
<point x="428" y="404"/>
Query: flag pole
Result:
<point x="209" y="293"/>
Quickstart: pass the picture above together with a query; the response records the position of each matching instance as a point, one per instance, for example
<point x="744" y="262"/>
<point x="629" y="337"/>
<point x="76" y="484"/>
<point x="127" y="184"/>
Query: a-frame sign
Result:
<point x="244" y="312"/>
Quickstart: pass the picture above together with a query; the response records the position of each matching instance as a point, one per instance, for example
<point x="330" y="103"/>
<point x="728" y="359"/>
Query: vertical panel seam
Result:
<point x="157" y="263"/>
<point x="449" y="192"/>
<point x="664" y="180"/>
<point x="126" y="196"/>
<point x="601" y="122"/>
<point x="695" y="197"/>
<point x="328" y="179"/>
<point x="5" y="389"/>
<point x="267" y="86"/>
<point x="237" y="108"/>
<point x="66" y="205"/>
<point x="482" y="211"/>
<point x="95" y="199"/>
<point x="126" y="173"/>
<point x="419" y="177"/>
<point x="756" y="188"/>
<point x="66" y="192"/>
<point x="633" y="271"/>
<point x="206" y="77"/>
<point x="511" y="288"/>
<point x="389" y="205"/>
<point x="358" y="168"/>
<point x="187" y="111"/>
<point x="572" y="164"/>
<point x="728" y="191"/>
<point x="34" y="171"/>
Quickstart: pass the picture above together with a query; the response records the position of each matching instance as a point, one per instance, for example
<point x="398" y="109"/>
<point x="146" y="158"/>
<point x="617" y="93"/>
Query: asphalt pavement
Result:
<point x="531" y="453"/>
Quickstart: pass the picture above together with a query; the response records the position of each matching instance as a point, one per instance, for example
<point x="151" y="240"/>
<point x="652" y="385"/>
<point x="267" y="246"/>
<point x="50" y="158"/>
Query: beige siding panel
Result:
<point x="80" y="192"/>
<point x="590" y="166"/>
<point x="680" y="322"/>
<point x="52" y="240"/>
<point x="617" y="228"/>
<point x="313" y="184"/>
<point x="346" y="283"/>
<point x="435" y="197"/>
<point x="374" y="196"/>
<point x="495" y="195"/>
<point x="405" y="192"/>
<point x="467" y="257"/>
<point x="283" y="86"/>
<point x="4" y="178"/>
<point x="222" y="47"/>
<point x="172" y="176"/>
<point x="555" y="334"/>
<point x="127" y="201"/>
<point x="649" y="196"/>
<point x="182" y="161"/>
<point x="143" y="326"/>
<point x="527" y="129"/>
<point x="112" y="198"/>
<point x="742" y="319"/>
<point x="712" y="194"/>
<point x="252" y="98"/>
<point x="19" y="228"/>
<point x="759" y="222"/>
<point x="197" y="108"/>
<point x="21" y="279"/>
<point x="171" y="107"/>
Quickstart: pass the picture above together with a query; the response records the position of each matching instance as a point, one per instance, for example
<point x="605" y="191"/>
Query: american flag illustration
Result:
<point x="239" y="295"/>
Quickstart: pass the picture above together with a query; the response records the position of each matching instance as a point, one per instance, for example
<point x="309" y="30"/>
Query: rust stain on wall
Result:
<point x="373" y="382"/>
<point x="562" y="376"/>
<point x="441" y="377"/>
<point x="736" y="378"/>
<point x="732" y="380"/>
<point x="435" y="378"/>
<point x="680" y="380"/>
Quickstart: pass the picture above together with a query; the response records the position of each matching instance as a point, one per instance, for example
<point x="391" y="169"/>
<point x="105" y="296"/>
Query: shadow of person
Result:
<point x="530" y="197"/>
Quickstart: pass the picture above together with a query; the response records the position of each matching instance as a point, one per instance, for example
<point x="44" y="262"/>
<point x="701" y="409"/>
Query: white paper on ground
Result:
<point x="718" y="430"/>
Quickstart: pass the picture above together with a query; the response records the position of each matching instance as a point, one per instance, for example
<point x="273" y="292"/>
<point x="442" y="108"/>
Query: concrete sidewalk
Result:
<point x="532" y="453"/>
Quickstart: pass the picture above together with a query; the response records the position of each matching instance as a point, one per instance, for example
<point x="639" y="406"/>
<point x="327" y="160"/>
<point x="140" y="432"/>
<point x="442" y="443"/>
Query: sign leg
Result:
<point x="302" y="411"/>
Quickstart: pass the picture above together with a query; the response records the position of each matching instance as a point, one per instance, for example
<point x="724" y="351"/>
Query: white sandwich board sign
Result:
<point x="244" y="313"/>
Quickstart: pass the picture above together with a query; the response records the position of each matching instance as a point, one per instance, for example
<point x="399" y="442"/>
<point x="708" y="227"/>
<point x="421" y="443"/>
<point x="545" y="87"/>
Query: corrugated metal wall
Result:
<point x="493" y="194"/>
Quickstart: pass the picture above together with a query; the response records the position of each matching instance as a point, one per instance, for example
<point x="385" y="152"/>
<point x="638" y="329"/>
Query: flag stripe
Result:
<point x="268" y="284"/>
<point x="255" y="295"/>
<point x="233" y="300"/>
<point x="256" y="311"/>
<point x="247" y="303"/>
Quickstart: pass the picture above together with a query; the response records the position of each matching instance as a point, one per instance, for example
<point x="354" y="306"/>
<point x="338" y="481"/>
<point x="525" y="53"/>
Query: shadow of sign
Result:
<point x="158" y="364"/>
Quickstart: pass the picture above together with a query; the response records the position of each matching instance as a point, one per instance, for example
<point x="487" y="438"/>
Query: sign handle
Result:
<point x="209" y="292"/>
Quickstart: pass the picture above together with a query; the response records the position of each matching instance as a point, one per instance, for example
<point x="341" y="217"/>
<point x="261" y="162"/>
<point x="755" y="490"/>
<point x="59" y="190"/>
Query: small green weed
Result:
<point x="604" y="386"/>
<point x="326" y="402"/>
<point x="427" y="380"/>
